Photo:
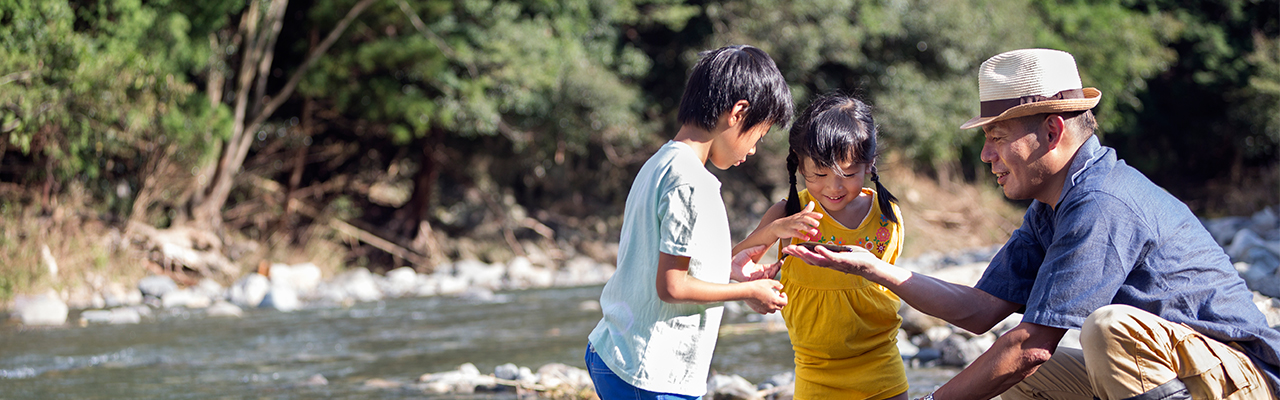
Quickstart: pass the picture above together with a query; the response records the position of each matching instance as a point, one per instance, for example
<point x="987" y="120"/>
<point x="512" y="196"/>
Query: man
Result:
<point x="1161" y="311"/>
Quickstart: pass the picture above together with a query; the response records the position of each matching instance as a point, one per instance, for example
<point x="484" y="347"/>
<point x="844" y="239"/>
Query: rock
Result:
<point x="959" y="352"/>
<point x="209" y="288"/>
<point x="223" y="309"/>
<point x="156" y="285"/>
<point x="905" y="348"/>
<point x="730" y="387"/>
<point x="45" y="309"/>
<point x="464" y="380"/>
<point x="578" y="271"/>
<point x="522" y="274"/>
<point x="83" y="297"/>
<point x="95" y="316"/>
<point x="249" y="290"/>
<point x="915" y="322"/>
<point x="317" y="380"/>
<point x="125" y="315"/>
<point x="564" y="377"/>
<point x="511" y="372"/>
<point x="1223" y="229"/>
<point x="302" y="278"/>
<point x="115" y="294"/>
<point x="184" y="298"/>
<point x="479" y="274"/>
<point x="281" y="298"/>
<point x="359" y="285"/>
<point x="400" y="282"/>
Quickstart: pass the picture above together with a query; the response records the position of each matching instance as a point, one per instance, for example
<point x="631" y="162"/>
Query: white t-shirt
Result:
<point x="674" y="207"/>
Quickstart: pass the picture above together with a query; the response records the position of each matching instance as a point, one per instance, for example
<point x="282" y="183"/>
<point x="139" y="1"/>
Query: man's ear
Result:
<point x="1054" y="129"/>
<point x="738" y="113"/>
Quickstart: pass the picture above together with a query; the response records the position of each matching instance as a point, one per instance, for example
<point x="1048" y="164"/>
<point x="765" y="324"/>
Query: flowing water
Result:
<point x="267" y="354"/>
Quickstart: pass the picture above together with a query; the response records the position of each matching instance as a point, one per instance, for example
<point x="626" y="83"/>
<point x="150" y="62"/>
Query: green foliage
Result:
<point x="91" y="86"/>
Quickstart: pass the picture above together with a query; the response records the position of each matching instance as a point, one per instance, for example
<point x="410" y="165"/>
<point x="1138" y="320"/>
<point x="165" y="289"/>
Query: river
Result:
<point x="182" y="354"/>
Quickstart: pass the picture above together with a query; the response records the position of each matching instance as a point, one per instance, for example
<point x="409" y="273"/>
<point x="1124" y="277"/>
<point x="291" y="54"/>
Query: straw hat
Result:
<point x="1027" y="82"/>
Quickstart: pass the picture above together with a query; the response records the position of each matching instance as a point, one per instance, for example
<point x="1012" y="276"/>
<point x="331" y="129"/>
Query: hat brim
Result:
<point x="1090" y="100"/>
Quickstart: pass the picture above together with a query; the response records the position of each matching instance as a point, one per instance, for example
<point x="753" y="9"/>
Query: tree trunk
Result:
<point x="256" y="58"/>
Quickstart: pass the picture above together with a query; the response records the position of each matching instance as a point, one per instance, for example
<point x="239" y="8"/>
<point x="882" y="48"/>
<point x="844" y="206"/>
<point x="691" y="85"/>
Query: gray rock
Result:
<point x="281" y="298"/>
<point x="209" y="288"/>
<point x="184" y="298"/>
<point x="464" y="380"/>
<point x="1070" y="339"/>
<point x="223" y="309"/>
<point x="302" y="278"/>
<point x="95" y="316"/>
<point x="360" y="285"/>
<point x="156" y="285"/>
<point x="400" y="282"/>
<point x="730" y="387"/>
<point x="116" y="294"/>
<point x="959" y="352"/>
<point x="557" y="375"/>
<point x="249" y="290"/>
<point x="522" y="274"/>
<point x="317" y="380"/>
<point x="479" y="274"/>
<point x="905" y="348"/>
<point x="45" y="309"/>
<point x="125" y="315"/>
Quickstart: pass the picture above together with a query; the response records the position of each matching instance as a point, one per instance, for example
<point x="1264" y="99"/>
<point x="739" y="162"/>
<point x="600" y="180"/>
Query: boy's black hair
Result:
<point x="835" y="129"/>
<point x="731" y="73"/>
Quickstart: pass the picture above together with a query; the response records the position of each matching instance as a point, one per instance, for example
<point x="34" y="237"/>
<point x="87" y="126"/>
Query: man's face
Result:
<point x="1016" y="155"/>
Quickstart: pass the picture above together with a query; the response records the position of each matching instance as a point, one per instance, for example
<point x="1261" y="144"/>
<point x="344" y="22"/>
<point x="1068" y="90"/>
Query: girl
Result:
<point x="843" y="328"/>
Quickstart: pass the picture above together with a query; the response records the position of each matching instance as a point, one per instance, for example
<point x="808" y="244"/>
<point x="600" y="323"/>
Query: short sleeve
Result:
<point x="1097" y="243"/>
<point x="1012" y="272"/>
<point x="677" y="213"/>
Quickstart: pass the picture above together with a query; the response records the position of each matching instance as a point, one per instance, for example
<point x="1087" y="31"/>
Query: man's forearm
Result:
<point x="962" y="306"/>
<point x="1015" y="355"/>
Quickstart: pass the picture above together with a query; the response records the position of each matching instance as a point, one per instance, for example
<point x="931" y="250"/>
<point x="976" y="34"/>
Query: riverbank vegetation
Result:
<point x="202" y="139"/>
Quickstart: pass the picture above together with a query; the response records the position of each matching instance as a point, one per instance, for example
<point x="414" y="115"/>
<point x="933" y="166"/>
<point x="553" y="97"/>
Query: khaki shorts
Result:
<point x="1128" y="352"/>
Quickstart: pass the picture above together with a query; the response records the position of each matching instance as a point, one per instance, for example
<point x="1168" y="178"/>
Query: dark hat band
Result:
<point x="994" y="108"/>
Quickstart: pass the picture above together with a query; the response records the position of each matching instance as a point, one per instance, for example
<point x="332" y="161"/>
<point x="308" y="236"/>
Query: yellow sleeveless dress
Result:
<point x="843" y="327"/>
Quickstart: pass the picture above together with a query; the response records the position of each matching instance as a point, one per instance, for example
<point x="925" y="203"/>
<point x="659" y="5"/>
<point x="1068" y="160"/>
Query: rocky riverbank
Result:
<point x="1252" y="242"/>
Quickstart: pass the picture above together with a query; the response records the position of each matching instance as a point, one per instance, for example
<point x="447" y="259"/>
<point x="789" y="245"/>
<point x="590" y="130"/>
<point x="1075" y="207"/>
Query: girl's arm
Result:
<point x="775" y="225"/>
<point x="675" y="285"/>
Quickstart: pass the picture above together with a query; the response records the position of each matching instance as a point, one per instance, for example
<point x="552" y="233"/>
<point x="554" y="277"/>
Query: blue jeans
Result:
<point x="610" y="387"/>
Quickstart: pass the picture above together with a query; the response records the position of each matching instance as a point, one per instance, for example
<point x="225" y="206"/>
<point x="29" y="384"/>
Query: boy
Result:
<point x="662" y="307"/>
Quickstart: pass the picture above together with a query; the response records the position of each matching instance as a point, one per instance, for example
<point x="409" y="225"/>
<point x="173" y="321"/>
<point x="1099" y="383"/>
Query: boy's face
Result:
<point x="733" y="146"/>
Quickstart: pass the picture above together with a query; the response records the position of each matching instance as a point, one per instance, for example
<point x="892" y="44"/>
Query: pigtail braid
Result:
<point x="793" y="199"/>
<point x="886" y="199"/>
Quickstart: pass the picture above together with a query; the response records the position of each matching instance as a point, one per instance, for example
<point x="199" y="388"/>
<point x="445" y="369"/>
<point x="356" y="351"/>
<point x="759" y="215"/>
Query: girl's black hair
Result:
<point x="731" y="73"/>
<point x="835" y="129"/>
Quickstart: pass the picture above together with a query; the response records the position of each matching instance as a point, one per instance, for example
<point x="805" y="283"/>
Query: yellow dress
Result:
<point x="843" y="327"/>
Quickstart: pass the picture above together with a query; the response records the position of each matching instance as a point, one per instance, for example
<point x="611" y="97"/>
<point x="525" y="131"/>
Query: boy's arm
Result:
<point x="675" y="285"/>
<point x="775" y="225"/>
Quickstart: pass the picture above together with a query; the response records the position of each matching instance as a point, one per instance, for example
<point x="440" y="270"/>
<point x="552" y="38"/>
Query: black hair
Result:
<point x="731" y="73"/>
<point x="835" y="129"/>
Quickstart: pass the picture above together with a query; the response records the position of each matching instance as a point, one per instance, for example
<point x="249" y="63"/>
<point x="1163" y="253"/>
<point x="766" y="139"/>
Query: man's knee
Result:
<point x="1108" y="323"/>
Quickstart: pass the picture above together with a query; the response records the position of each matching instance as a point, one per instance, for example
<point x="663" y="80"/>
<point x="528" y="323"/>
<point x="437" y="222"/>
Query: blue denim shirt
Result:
<point x="1117" y="238"/>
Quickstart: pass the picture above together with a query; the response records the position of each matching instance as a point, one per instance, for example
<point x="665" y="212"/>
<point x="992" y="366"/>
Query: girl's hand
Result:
<point x="857" y="261"/>
<point x="743" y="268"/>
<point x="803" y="225"/>
<point x="766" y="296"/>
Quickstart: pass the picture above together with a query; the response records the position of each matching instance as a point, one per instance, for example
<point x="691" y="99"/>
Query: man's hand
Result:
<point x="857" y="261"/>
<point x="744" y="269"/>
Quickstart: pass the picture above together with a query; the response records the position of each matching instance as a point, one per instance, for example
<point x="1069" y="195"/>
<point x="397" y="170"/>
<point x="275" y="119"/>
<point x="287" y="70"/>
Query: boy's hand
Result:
<point x="767" y="296"/>
<point x="743" y="268"/>
<point x="803" y="225"/>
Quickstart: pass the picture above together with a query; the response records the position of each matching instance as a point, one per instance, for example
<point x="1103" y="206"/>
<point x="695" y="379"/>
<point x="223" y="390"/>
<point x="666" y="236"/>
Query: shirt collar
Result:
<point x="1088" y="154"/>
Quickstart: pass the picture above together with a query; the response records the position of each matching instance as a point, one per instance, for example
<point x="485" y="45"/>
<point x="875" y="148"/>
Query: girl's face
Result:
<point x="833" y="190"/>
